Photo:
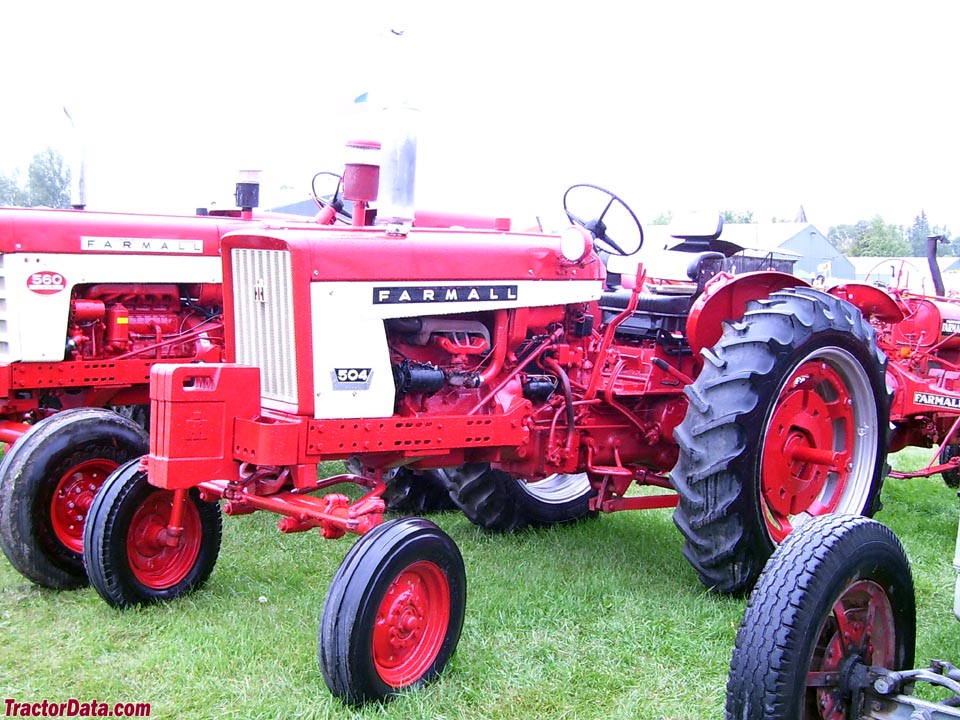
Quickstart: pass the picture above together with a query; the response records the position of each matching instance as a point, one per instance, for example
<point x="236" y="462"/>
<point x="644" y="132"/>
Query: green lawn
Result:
<point x="600" y="620"/>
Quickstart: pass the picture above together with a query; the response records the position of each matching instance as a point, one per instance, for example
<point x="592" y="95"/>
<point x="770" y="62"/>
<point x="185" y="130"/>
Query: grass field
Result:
<point x="599" y="620"/>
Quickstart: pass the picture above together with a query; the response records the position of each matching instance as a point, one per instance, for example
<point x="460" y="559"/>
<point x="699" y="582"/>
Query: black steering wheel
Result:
<point x="336" y="201"/>
<point x="597" y="227"/>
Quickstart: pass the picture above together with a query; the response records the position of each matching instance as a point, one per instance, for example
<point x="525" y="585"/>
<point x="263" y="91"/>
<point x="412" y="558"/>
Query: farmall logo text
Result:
<point x="945" y="401"/>
<point x="141" y="245"/>
<point x="444" y="294"/>
<point x="950" y="327"/>
<point x="46" y="283"/>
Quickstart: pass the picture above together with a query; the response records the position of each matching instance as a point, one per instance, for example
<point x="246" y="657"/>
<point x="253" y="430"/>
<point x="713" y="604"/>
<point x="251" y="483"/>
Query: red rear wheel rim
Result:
<point x="72" y="498"/>
<point x="154" y="562"/>
<point x="859" y="629"/>
<point x="411" y="624"/>
<point x="808" y="448"/>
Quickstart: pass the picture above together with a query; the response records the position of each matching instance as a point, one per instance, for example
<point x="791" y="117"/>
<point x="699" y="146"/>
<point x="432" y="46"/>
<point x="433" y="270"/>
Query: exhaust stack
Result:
<point x="78" y="176"/>
<point x="932" y="241"/>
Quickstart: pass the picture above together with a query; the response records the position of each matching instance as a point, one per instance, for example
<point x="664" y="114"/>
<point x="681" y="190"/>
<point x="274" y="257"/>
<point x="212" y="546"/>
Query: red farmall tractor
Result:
<point x="920" y="334"/>
<point x="514" y="369"/>
<point x="90" y="302"/>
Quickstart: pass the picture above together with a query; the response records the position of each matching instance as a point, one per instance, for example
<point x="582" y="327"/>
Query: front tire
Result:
<point x="394" y="612"/>
<point x="500" y="502"/>
<point x="48" y="481"/>
<point x="787" y="420"/>
<point x="836" y="594"/>
<point x="127" y="559"/>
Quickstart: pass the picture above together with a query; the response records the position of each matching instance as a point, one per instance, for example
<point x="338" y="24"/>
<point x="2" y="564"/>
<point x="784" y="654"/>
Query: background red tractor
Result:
<point x="536" y="385"/>
<point x="920" y="334"/>
<point x="90" y="302"/>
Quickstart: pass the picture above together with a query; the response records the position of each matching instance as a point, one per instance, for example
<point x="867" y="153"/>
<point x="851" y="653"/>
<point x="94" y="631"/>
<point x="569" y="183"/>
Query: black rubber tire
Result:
<point x="950" y="477"/>
<point x="409" y="492"/>
<point x="417" y="493"/>
<point x="140" y="414"/>
<point x="499" y="502"/>
<point x="352" y="611"/>
<point x="32" y="470"/>
<point x="790" y="619"/>
<point x="721" y="510"/>
<point x="105" y="541"/>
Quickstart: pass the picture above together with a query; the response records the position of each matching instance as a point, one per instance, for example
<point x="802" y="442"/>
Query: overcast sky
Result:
<point x="847" y="108"/>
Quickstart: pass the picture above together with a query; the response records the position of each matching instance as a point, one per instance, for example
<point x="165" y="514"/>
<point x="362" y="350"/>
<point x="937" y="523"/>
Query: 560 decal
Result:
<point x="352" y="378"/>
<point x="46" y="282"/>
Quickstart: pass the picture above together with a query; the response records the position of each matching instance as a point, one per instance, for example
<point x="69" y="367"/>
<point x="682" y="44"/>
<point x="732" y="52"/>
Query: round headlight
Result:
<point x="575" y="243"/>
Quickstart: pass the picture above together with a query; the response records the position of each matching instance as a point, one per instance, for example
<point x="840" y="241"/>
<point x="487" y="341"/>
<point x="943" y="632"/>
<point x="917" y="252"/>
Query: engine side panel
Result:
<point x="38" y="288"/>
<point x="352" y="370"/>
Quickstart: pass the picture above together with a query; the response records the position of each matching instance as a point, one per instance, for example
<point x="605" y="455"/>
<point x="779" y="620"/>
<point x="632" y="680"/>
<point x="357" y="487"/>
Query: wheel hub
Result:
<point x="411" y="623"/>
<point x="858" y="633"/>
<point x="405" y="619"/>
<point x="72" y="499"/>
<point x="154" y="559"/>
<point x="807" y="448"/>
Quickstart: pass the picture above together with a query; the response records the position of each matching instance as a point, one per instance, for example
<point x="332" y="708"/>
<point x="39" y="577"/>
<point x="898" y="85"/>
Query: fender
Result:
<point x="725" y="298"/>
<point x="871" y="301"/>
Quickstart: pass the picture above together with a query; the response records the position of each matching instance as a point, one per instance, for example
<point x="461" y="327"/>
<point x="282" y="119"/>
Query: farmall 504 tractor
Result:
<point x="514" y="362"/>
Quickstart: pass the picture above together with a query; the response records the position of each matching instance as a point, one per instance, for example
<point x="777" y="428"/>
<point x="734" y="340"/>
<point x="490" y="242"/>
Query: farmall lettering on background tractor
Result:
<point x="537" y="386"/>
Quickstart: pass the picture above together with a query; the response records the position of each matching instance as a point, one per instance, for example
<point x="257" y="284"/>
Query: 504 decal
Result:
<point x="352" y="378"/>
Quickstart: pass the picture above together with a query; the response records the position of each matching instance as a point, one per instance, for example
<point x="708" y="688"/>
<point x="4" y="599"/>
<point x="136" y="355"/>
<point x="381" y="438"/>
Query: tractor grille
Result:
<point x="4" y="327"/>
<point x="263" y="319"/>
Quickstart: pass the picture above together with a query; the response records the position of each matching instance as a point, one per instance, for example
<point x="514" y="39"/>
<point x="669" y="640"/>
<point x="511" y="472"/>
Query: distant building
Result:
<point x="797" y="248"/>
<point x="815" y="254"/>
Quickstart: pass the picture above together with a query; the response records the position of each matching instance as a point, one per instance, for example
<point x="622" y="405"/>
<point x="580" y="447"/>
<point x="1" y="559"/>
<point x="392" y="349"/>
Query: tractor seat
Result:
<point x="662" y="309"/>
<point x="658" y="304"/>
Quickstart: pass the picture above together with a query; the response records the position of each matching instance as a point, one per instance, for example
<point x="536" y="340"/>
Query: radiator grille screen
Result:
<point x="263" y="319"/>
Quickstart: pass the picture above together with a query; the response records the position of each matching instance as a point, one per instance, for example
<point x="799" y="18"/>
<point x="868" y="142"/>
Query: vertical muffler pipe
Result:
<point x="932" y="241"/>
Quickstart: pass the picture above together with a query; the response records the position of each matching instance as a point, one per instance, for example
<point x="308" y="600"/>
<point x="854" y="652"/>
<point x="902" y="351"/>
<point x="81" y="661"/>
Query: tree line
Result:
<point x="47" y="183"/>
<point x="875" y="237"/>
<point x="866" y="238"/>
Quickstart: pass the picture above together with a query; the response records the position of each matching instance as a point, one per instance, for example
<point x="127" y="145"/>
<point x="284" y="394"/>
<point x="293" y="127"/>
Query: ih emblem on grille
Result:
<point x="259" y="291"/>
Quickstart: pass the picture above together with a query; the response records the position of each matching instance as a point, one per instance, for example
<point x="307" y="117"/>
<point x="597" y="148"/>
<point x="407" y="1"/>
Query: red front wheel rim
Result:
<point x="72" y="498"/>
<point x="859" y="629"/>
<point x="411" y="624"/>
<point x="156" y="562"/>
